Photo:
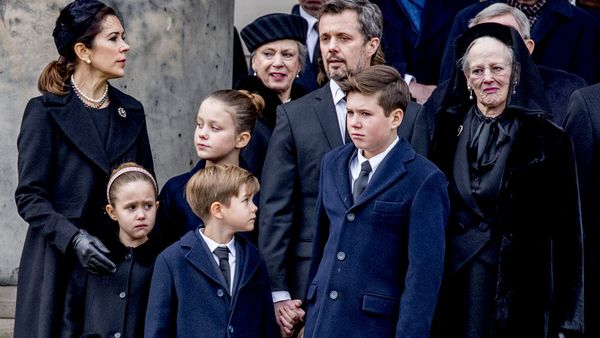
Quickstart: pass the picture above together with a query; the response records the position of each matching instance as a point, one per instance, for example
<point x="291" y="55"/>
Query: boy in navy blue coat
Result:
<point x="378" y="258"/>
<point x="213" y="283"/>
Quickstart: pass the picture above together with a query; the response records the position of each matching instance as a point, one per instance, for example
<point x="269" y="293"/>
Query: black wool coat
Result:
<point x="105" y="306"/>
<point x="63" y="171"/>
<point x="583" y="124"/>
<point x="539" y="291"/>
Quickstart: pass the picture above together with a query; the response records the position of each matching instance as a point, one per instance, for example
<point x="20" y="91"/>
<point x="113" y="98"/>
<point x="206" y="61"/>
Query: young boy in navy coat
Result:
<point x="213" y="283"/>
<point x="379" y="253"/>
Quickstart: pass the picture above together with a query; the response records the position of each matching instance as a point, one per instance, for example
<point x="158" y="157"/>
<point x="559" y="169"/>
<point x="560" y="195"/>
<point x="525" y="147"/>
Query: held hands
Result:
<point x="288" y="314"/>
<point x="92" y="253"/>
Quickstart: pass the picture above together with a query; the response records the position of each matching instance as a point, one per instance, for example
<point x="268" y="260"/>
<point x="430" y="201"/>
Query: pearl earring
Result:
<point x="470" y="92"/>
<point x="88" y="61"/>
<point x="254" y="73"/>
<point x="514" y="89"/>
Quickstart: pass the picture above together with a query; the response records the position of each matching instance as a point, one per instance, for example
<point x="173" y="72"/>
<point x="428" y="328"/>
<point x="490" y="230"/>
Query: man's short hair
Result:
<point x="381" y="80"/>
<point x="370" y="18"/>
<point x="500" y="9"/>
<point x="218" y="183"/>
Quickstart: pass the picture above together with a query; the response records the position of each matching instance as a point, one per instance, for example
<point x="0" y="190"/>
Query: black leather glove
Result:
<point x="92" y="253"/>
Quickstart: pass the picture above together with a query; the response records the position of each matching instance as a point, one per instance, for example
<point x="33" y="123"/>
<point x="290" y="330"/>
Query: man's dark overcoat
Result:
<point x="583" y="124"/>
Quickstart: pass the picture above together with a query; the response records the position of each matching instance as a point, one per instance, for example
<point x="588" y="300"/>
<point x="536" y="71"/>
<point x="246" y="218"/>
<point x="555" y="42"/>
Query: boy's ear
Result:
<point x="111" y="212"/>
<point x="216" y="210"/>
<point x="243" y="139"/>
<point x="396" y="117"/>
<point x="157" y="204"/>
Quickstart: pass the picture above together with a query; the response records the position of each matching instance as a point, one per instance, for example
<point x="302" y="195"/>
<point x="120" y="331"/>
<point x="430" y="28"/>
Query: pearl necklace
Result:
<point x="99" y="102"/>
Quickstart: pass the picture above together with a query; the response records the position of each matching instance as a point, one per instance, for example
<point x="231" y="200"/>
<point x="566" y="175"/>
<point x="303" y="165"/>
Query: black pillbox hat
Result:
<point x="274" y="27"/>
<point x="72" y="23"/>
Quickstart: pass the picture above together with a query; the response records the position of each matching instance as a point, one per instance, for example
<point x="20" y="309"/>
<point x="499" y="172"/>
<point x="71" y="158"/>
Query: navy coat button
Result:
<point x="118" y="335"/>
<point x="220" y="293"/>
<point x="128" y="256"/>
<point x="350" y="217"/>
<point x="483" y="226"/>
<point x="333" y="295"/>
<point x="122" y="295"/>
<point x="341" y="256"/>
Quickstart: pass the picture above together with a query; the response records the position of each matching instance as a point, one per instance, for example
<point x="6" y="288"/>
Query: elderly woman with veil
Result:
<point x="514" y="239"/>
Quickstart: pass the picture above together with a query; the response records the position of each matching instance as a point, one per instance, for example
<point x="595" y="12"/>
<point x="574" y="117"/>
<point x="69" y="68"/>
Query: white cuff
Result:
<point x="279" y="296"/>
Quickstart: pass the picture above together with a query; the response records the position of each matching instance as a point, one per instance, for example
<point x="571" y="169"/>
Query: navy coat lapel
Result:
<point x="390" y="170"/>
<point x="200" y="256"/>
<point x="247" y="262"/>
<point x="77" y="125"/>
<point x="326" y="113"/>
<point x="343" y="182"/>
<point x="126" y="123"/>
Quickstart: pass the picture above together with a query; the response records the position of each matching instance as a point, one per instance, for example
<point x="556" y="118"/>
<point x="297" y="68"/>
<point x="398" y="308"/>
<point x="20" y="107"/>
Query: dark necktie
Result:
<point x="222" y="254"/>
<point x="362" y="180"/>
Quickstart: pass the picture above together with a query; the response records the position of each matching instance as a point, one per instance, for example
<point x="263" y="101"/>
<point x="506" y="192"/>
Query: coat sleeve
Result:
<point x="321" y="228"/>
<point x="426" y="245"/>
<point x="74" y="311"/>
<point x="33" y="195"/>
<point x="567" y="245"/>
<point x="161" y="313"/>
<point x="278" y="190"/>
<point x="169" y="224"/>
<point x="579" y="125"/>
<point x="269" y="326"/>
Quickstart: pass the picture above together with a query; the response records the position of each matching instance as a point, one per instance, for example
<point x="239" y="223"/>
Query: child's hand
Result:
<point x="288" y="313"/>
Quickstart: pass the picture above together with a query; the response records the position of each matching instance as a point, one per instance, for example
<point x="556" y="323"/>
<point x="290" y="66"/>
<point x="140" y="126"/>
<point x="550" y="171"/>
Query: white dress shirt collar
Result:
<point x="339" y="100"/>
<point x="374" y="161"/>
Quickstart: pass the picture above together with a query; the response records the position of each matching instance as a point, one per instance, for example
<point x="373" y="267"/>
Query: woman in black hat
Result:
<point x="514" y="239"/>
<point x="276" y="42"/>
<point x="71" y="137"/>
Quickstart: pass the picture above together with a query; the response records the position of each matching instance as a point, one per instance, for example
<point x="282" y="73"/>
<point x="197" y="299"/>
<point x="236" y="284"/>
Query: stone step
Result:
<point x="6" y="328"/>
<point x="8" y="296"/>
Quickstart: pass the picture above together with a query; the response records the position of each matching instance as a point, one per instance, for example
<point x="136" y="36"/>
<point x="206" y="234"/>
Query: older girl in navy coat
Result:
<point x="224" y="124"/>
<point x="115" y="305"/>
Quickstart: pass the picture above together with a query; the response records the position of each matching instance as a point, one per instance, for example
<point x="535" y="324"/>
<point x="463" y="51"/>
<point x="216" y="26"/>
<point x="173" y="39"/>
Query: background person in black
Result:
<point x="583" y="124"/>
<point x="566" y="37"/>
<point x="514" y="239"/>
<point x="71" y="137"/>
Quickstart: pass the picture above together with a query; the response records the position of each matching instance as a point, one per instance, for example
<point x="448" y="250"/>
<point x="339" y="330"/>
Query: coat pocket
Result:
<point x="384" y="212"/>
<point x="385" y="207"/>
<point x="381" y="305"/>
